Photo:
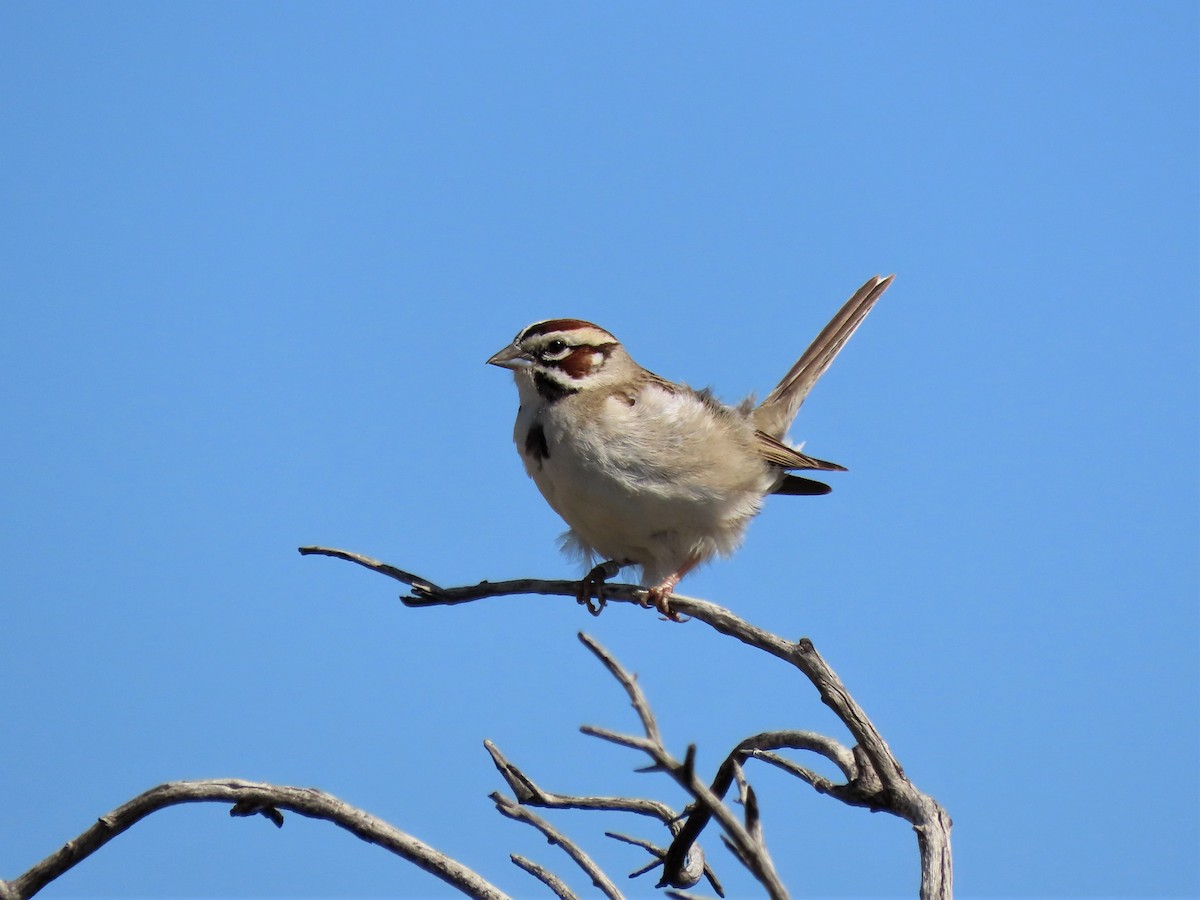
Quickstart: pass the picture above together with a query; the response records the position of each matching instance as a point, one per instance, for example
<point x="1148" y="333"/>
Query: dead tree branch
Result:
<point x="549" y="879"/>
<point x="513" y="810"/>
<point x="874" y="777"/>
<point x="528" y="793"/>
<point x="250" y="798"/>
<point x="746" y="845"/>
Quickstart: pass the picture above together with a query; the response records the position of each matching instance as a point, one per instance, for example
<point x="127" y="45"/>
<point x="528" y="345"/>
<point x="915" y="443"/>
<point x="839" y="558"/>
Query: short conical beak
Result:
<point x="511" y="357"/>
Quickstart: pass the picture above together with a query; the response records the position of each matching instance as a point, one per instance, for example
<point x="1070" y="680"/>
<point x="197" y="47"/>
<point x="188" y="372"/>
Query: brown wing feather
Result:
<point x="780" y="454"/>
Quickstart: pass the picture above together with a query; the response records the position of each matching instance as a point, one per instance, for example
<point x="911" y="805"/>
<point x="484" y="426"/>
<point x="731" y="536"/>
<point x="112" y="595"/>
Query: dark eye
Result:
<point x="556" y="347"/>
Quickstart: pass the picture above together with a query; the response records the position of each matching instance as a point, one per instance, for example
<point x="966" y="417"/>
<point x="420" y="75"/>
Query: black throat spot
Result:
<point x="549" y="389"/>
<point x="535" y="443"/>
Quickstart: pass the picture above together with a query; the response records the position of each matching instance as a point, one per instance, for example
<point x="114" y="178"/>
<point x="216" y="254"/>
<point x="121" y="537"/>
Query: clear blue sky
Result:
<point x="255" y="254"/>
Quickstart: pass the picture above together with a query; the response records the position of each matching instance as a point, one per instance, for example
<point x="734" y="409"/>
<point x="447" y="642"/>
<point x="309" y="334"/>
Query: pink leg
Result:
<point x="660" y="594"/>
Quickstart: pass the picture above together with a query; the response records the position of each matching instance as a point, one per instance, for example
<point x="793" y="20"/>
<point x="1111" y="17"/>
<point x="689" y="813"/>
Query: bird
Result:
<point x="652" y="473"/>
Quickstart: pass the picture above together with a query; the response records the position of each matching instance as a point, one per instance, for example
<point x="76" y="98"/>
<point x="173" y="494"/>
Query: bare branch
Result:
<point x="656" y="852"/>
<point x="510" y="808"/>
<point x="546" y="877"/>
<point x="748" y="850"/>
<point x="819" y="782"/>
<point x="933" y="837"/>
<point x="760" y="745"/>
<point x="426" y="593"/>
<point x="629" y="682"/>
<point x="744" y="793"/>
<point x="752" y="746"/>
<point x="250" y="798"/>
<point x="530" y="794"/>
<point x="414" y="581"/>
<point x="878" y="781"/>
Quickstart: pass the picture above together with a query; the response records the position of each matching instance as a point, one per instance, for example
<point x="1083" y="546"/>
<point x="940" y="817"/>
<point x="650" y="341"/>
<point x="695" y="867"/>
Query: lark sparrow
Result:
<point x="651" y="473"/>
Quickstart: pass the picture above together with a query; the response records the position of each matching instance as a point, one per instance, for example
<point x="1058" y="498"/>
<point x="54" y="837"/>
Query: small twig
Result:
<point x="628" y="681"/>
<point x="510" y="808"/>
<point x="739" y="778"/>
<point x="249" y="798"/>
<point x="528" y="793"/>
<point x="426" y="593"/>
<point x="657" y="853"/>
<point x="414" y="581"/>
<point x="546" y="877"/>
<point x="820" y="783"/>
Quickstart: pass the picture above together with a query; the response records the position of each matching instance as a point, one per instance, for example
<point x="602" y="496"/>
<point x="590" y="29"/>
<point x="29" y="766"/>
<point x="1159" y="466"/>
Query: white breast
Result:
<point x="656" y="481"/>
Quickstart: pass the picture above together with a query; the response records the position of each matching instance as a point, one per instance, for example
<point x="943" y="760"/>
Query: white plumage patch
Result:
<point x="643" y="481"/>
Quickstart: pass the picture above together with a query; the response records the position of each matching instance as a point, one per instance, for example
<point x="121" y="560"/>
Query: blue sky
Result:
<point x="254" y="258"/>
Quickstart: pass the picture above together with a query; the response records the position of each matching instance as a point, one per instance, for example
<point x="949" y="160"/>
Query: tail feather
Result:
<point x="775" y="414"/>
<point x="798" y="486"/>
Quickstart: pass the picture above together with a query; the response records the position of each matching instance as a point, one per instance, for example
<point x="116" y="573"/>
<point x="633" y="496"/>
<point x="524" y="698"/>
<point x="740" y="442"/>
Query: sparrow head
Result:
<point x="564" y="356"/>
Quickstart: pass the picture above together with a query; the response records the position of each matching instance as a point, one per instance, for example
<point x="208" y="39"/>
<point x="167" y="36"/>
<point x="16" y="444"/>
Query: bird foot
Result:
<point x="592" y="585"/>
<point x="659" y="597"/>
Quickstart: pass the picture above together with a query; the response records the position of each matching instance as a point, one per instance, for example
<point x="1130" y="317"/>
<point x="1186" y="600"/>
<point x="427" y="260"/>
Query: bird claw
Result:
<point x="659" y="597"/>
<point x="592" y="584"/>
<point x="660" y="594"/>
